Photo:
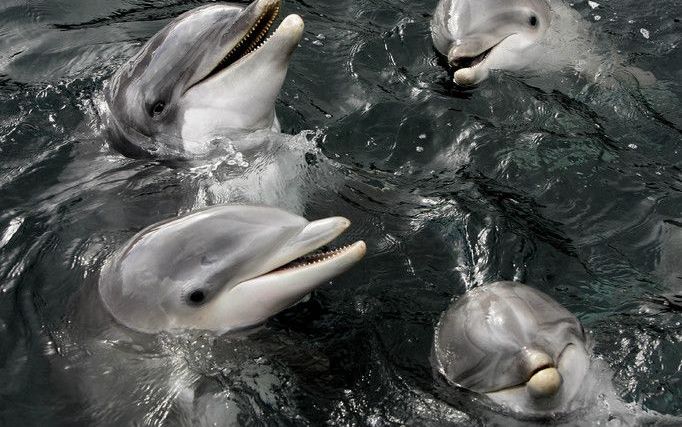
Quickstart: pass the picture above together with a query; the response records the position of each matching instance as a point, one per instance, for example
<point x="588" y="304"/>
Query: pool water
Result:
<point x="569" y="183"/>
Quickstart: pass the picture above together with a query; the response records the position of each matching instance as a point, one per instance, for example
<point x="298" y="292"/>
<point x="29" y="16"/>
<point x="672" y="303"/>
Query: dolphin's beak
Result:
<point x="250" y="34"/>
<point x="288" y="276"/>
<point x="468" y="58"/>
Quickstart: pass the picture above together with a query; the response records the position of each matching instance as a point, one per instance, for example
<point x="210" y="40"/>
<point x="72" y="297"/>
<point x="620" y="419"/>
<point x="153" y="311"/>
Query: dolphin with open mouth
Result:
<point x="477" y="36"/>
<point x="210" y="72"/>
<point x="221" y="269"/>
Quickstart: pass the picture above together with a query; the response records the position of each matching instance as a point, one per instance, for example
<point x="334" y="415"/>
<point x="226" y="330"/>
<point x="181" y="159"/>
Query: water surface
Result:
<point x="570" y="185"/>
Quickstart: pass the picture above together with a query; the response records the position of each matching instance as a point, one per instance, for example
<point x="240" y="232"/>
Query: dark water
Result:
<point x="572" y="186"/>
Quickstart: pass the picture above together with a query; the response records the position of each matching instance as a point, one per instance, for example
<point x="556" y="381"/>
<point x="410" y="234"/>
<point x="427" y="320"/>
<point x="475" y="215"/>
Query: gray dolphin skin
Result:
<point x="221" y="269"/>
<point x="477" y="36"/>
<point x="515" y="345"/>
<point x="209" y="72"/>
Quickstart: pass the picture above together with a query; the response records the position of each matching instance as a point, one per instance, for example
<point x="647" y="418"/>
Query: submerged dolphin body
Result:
<point x="221" y="269"/>
<point x="208" y="73"/>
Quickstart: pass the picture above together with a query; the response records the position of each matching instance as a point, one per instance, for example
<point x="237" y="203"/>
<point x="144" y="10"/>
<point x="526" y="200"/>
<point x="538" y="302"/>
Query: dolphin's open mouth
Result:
<point x="304" y="259"/>
<point x="461" y="62"/>
<point x="249" y="43"/>
<point x="320" y="257"/>
<point x="291" y="273"/>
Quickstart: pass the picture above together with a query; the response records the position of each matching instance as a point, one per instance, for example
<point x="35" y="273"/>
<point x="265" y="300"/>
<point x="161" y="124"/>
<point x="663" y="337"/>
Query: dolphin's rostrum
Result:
<point x="221" y="269"/>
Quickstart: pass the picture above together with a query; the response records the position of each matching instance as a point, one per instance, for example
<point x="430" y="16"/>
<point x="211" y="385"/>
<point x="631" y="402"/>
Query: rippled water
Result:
<point x="569" y="183"/>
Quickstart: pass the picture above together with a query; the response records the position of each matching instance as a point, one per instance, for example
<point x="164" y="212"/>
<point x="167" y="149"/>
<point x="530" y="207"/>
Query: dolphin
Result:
<point x="529" y="357"/>
<point x="477" y="36"/>
<point x="515" y="345"/>
<point x="210" y="72"/>
<point x="221" y="269"/>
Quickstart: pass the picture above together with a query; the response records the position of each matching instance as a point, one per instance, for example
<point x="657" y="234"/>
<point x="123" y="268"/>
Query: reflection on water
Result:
<point x="569" y="184"/>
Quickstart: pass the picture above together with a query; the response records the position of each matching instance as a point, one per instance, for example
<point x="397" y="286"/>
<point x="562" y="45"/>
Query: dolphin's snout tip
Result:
<point x="464" y="77"/>
<point x="544" y="383"/>
<point x="293" y="23"/>
<point x="360" y="249"/>
<point x="337" y="223"/>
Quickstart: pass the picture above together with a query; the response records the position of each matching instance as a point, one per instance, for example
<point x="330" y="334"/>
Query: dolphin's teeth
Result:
<point x="313" y="259"/>
<point x="248" y="42"/>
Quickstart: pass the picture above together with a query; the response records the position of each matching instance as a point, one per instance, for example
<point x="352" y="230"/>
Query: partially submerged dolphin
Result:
<point x="478" y="36"/>
<point x="221" y="269"/>
<point x="527" y="355"/>
<point x="209" y="72"/>
<point x="515" y="345"/>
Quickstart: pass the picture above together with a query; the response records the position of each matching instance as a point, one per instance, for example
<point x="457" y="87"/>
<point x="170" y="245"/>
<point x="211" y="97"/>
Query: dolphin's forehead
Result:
<point x="481" y="338"/>
<point x="468" y="16"/>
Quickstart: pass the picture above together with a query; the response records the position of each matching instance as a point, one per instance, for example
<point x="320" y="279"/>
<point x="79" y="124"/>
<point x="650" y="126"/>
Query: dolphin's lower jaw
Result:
<point x="551" y="387"/>
<point x="469" y="71"/>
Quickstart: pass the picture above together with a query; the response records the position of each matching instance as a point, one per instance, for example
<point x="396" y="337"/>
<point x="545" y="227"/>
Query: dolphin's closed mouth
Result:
<point x="254" y="39"/>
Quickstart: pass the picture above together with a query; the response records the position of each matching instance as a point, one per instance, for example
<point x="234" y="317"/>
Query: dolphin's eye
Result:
<point x="158" y="108"/>
<point x="197" y="296"/>
<point x="533" y="20"/>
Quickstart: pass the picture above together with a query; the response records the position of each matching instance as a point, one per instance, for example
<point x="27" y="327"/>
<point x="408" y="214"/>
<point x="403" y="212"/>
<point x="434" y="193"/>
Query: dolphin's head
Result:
<point x="477" y="36"/>
<point x="516" y="345"/>
<point x="221" y="269"/>
<point x="209" y="71"/>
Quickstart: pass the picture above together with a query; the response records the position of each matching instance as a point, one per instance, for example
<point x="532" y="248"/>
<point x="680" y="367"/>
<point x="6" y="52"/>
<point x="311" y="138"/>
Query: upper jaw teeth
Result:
<point x="313" y="258"/>
<point x="258" y="40"/>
